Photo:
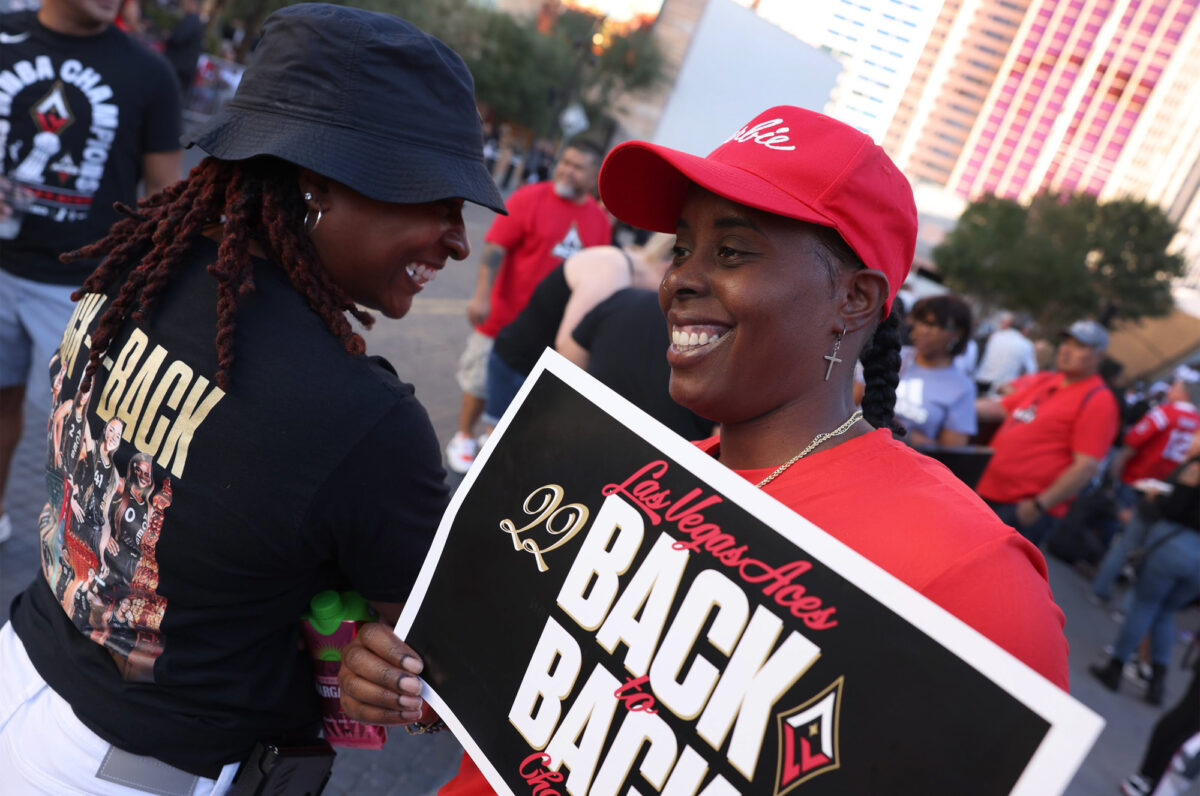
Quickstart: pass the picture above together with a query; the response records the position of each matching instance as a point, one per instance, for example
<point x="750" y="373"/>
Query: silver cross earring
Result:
<point x="833" y="358"/>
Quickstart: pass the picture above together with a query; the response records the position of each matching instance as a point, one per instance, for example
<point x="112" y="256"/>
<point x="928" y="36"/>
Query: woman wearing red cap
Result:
<point x="793" y="238"/>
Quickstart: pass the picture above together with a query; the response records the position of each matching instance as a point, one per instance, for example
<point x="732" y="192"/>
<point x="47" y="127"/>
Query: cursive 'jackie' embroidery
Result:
<point x="762" y="134"/>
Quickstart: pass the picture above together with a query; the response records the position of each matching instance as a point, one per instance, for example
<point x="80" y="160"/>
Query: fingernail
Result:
<point x="410" y="685"/>
<point x="411" y="664"/>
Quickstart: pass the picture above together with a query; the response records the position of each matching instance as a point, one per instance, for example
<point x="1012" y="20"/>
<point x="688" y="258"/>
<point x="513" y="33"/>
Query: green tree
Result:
<point x="521" y="75"/>
<point x="528" y="77"/>
<point x="1063" y="257"/>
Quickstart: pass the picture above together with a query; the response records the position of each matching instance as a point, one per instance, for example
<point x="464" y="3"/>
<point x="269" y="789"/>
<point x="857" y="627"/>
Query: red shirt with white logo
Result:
<point x="1049" y="421"/>
<point x="1160" y="441"/>
<point x="540" y="231"/>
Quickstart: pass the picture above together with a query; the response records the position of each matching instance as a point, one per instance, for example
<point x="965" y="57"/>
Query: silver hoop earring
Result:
<point x="833" y="358"/>
<point x="310" y="225"/>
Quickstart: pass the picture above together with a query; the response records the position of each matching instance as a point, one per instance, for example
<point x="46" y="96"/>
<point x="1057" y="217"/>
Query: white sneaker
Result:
<point x="5" y="528"/>
<point x="1132" y="673"/>
<point x="460" y="452"/>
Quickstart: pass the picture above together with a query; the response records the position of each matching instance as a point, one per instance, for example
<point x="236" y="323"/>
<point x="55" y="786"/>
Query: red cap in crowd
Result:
<point x="788" y="161"/>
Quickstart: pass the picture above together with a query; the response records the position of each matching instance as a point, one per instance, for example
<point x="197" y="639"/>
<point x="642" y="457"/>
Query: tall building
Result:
<point x="877" y="41"/>
<point x="1154" y="162"/>
<point x="1070" y="94"/>
<point x="1161" y="160"/>
<point x="1012" y="97"/>
<point x="960" y="62"/>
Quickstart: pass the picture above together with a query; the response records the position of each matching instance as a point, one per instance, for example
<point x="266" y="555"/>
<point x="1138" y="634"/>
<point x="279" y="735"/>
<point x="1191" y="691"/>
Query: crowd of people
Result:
<point x="758" y="312"/>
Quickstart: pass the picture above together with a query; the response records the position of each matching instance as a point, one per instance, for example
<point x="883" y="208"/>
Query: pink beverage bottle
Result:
<point x="330" y="624"/>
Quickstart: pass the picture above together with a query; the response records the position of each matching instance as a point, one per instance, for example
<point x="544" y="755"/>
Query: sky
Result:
<point x="619" y="10"/>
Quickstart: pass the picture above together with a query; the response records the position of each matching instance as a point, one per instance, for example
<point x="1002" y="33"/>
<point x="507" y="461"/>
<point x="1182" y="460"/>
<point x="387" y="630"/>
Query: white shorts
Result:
<point x="33" y="317"/>
<point x="472" y="365"/>
<point x="45" y="749"/>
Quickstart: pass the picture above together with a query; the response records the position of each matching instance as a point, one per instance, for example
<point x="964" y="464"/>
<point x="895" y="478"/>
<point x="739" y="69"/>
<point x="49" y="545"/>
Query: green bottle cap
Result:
<point x="327" y="611"/>
<point x="355" y="607"/>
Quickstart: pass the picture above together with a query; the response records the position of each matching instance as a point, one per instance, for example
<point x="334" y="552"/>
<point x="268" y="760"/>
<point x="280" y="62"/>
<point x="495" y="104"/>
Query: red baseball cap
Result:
<point x="788" y="161"/>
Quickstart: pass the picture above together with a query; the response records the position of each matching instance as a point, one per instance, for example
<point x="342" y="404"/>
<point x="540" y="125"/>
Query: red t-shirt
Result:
<point x="1160" y="440"/>
<point x="540" y="231"/>
<point x="911" y="516"/>
<point x="1048" y="422"/>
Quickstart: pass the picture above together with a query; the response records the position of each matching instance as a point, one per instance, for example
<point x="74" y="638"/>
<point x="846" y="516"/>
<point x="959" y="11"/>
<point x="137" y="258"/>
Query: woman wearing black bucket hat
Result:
<point x="793" y="238"/>
<point x="281" y="461"/>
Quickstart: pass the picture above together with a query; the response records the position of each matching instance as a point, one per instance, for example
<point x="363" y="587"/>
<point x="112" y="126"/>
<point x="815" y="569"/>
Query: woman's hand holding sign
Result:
<point x="378" y="678"/>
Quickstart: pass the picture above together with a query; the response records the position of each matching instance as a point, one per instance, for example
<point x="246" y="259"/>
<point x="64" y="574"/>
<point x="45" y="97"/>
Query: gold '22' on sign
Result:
<point x="545" y="505"/>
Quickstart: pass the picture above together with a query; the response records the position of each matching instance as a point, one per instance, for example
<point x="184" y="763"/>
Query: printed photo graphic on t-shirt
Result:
<point x="910" y="400"/>
<point x="570" y="244"/>
<point x="607" y="609"/>
<point x="100" y="528"/>
<point x="58" y="149"/>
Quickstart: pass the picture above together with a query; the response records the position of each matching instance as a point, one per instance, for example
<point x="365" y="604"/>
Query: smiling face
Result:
<point x="575" y="174"/>
<point x="748" y="302"/>
<point x="142" y="475"/>
<point x="112" y="434"/>
<point x="382" y="254"/>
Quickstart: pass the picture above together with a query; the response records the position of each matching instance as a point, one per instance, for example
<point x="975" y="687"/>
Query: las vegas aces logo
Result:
<point x="808" y="739"/>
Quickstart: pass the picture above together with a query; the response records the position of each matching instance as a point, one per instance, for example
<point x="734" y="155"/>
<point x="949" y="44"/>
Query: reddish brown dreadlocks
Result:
<point x="260" y="202"/>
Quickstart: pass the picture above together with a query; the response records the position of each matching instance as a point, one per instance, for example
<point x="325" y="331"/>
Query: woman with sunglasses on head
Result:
<point x="792" y="240"/>
<point x="935" y="401"/>
<point x="269" y="457"/>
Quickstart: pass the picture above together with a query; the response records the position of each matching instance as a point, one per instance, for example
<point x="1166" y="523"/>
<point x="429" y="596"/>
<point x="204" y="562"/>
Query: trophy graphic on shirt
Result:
<point x="31" y="169"/>
<point x="52" y="115"/>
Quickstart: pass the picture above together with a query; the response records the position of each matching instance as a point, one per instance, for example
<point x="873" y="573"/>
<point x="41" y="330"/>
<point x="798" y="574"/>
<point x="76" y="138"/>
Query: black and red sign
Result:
<point x="607" y="610"/>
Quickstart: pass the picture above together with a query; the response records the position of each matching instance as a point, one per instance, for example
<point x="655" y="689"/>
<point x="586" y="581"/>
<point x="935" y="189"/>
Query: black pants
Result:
<point x="1175" y="727"/>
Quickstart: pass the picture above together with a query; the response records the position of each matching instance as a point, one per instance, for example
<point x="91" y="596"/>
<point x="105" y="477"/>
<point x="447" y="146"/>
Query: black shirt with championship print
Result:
<point x="77" y="113"/>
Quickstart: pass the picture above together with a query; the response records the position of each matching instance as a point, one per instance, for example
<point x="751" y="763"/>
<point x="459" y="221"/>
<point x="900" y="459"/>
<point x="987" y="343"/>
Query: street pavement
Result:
<point x="424" y="348"/>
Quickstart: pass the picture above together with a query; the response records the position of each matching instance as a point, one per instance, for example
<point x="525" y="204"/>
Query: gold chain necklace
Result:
<point x="817" y="440"/>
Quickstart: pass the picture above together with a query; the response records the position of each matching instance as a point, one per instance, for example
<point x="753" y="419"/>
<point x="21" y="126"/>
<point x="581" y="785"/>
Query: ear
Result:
<point x="310" y="182"/>
<point x="865" y="292"/>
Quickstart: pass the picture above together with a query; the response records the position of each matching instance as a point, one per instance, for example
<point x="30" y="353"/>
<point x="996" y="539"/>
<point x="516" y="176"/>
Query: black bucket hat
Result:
<point x="363" y="98"/>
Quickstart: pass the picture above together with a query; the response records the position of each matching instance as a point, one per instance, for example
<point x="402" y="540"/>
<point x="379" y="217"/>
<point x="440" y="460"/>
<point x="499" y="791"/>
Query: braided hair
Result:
<point x="880" y="357"/>
<point x="260" y="203"/>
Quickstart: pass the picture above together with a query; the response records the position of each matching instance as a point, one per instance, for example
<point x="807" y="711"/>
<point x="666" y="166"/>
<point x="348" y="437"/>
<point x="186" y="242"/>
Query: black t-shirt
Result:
<point x="627" y="340"/>
<point x="77" y="113"/>
<point x="521" y="342"/>
<point x="172" y="625"/>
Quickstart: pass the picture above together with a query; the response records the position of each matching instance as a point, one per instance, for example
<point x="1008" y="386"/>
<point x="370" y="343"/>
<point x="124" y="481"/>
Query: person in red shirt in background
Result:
<point x="547" y="222"/>
<point x="1158" y="442"/>
<point x="1058" y="426"/>
<point x="1151" y="449"/>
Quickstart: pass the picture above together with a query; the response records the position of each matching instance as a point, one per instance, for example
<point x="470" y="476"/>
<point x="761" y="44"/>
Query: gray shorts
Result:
<point x="472" y="365"/>
<point x="33" y="317"/>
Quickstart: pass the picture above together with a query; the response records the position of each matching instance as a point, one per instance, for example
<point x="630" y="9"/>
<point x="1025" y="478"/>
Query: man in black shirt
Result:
<point x="88" y="114"/>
